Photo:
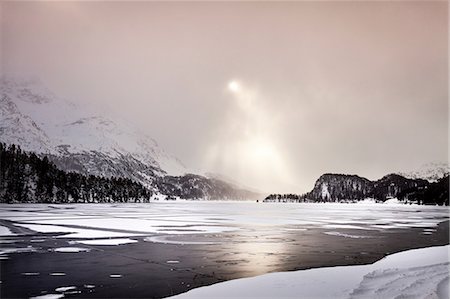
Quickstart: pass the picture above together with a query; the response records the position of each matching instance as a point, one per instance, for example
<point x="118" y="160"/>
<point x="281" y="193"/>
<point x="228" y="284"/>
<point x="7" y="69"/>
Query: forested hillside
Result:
<point x="352" y="188"/>
<point x="25" y="177"/>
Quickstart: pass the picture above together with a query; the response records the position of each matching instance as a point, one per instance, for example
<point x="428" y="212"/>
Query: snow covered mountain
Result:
<point x="431" y="172"/>
<point x="76" y="140"/>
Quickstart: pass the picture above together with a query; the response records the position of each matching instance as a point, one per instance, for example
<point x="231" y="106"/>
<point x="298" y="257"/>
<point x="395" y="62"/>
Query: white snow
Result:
<point x="71" y="249"/>
<point x="432" y="171"/>
<point x="108" y="241"/>
<point x="4" y="231"/>
<point x="419" y="273"/>
<point x="392" y="201"/>
<point x="325" y="194"/>
<point x="65" y="289"/>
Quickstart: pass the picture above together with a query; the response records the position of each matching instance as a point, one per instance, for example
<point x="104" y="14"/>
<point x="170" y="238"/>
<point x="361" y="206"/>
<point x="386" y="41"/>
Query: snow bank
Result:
<point x="419" y="273"/>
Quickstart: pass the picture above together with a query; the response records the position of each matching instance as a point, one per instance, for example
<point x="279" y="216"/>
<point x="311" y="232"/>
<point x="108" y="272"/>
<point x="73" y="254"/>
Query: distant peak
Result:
<point x="432" y="171"/>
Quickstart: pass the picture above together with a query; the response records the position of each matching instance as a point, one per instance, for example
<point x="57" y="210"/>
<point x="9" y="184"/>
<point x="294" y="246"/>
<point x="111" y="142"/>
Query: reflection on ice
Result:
<point x="258" y="257"/>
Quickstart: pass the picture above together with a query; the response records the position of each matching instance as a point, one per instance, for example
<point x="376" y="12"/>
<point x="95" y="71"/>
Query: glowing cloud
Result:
<point x="247" y="145"/>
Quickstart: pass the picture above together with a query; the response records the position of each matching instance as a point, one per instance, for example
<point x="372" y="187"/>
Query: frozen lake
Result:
<point x="164" y="248"/>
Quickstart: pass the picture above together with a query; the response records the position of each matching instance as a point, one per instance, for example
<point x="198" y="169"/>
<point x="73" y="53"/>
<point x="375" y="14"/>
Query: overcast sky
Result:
<point x="346" y="87"/>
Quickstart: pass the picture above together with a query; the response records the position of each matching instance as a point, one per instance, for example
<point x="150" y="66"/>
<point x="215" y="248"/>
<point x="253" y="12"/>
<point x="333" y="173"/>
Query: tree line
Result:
<point x="285" y="198"/>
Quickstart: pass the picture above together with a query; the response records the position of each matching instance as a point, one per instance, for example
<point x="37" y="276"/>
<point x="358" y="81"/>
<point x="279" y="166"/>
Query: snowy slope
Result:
<point x="77" y="140"/>
<point x="419" y="273"/>
<point x="16" y="127"/>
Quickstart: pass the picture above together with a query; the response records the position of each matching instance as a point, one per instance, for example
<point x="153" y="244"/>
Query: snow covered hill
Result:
<point x="75" y="139"/>
<point x="39" y="121"/>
